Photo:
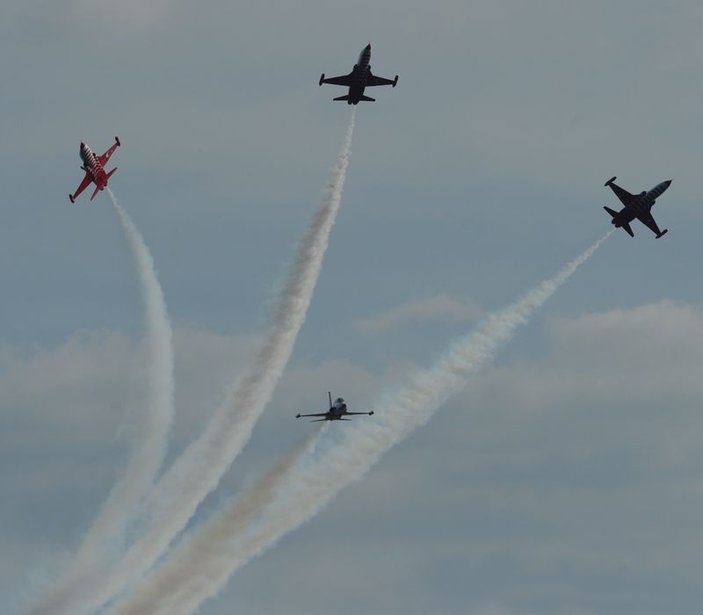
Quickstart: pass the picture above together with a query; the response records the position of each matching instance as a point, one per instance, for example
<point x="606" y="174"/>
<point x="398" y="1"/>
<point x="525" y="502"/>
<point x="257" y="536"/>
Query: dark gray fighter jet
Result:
<point x="360" y="78"/>
<point x="637" y="206"/>
<point x="337" y="411"/>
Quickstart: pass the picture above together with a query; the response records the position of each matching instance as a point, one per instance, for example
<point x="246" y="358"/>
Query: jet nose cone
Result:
<point x="368" y="47"/>
<point x="668" y="182"/>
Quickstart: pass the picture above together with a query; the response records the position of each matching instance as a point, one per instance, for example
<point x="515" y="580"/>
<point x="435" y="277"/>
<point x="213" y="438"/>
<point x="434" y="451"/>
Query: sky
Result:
<point x="566" y="478"/>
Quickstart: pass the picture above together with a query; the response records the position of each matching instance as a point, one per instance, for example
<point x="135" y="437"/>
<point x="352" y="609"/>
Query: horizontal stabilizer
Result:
<point x="628" y="229"/>
<point x="612" y="212"/>
<point x="342" y="97"/>
<point x="368" y="99"/>
<point x="109" y="175"/>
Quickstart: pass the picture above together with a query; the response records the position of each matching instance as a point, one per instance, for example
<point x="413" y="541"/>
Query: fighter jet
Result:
<point x="360" y="78"/>
<point x="636" y="206"/>
<point x="337" y="410"/>
<point x="94" y="167"/>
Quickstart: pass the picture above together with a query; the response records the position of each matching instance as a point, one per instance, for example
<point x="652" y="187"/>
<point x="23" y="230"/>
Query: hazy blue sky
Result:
<point x="568" y="478"/>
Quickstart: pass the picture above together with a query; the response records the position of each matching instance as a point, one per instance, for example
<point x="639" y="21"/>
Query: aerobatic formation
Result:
<point x="157" y="511"/>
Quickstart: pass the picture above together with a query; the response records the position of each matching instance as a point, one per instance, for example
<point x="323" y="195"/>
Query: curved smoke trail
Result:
<point x="200" y="568"/>
<point x="105" y="539"/>
<point x="244" y="512"/>
<point x="199" y="469"/>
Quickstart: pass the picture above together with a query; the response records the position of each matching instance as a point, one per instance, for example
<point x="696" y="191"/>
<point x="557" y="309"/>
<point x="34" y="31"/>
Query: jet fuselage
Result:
<point x="339" y="407"/>
<point x="92" y="165"/>
<point x="359" y="76"/>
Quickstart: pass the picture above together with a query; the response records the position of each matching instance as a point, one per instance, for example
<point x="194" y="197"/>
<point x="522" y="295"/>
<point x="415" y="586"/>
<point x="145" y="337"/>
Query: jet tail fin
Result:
<point x="628" y="229"/>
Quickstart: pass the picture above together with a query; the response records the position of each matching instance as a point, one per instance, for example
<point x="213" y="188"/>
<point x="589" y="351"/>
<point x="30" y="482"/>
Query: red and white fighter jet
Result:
<point x="94" y="167"/>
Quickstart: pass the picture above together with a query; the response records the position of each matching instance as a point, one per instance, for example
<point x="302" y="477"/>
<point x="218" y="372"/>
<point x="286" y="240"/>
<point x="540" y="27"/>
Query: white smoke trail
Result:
<point x="142" y="470"/>
<point x="105" y="538"/>
<point x="201" y="567"/>
<point x="198" y="470"/>
<point x="242" y="513"/>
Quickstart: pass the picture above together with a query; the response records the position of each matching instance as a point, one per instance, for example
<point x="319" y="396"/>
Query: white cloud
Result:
<point x="66" y="422"/>
<point x="545" y="475"/>
<point x="650" y="354"/>
<point x="440" y="307"/>
<point x="567" y="482"/>
<point x="67" y="410"/>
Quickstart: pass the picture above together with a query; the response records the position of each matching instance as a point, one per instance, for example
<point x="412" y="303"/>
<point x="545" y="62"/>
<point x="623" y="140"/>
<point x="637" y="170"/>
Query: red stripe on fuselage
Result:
<point x="92" y="165"/>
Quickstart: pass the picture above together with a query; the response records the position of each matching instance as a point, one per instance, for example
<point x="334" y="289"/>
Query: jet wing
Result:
<point x="83" y="185"/>
<point x="317" y="414"/>
<point x="649" y="222"/>
<point x="625" y="197"/>
<point x="345" y="80"/>
<point x="106" y="156"/>
<point x="372" y="80"/>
